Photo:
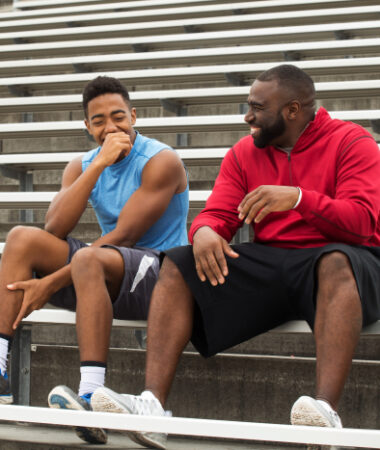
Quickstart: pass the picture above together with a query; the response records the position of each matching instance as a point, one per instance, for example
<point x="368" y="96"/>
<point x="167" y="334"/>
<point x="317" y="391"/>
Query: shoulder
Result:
<point x="148" y="147"/>
<point x="353" y="137"/>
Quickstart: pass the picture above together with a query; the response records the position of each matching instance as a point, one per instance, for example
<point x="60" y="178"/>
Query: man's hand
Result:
<point x="115" y="147"/>
<point x="36" y="294"/>
<point x="209" y="253"/>
<point x="266" y="199"/>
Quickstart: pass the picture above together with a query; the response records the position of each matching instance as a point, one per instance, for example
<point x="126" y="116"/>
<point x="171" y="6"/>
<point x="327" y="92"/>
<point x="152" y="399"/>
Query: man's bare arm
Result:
<point x="69" y="204"/>
<point x="163" y="177"/>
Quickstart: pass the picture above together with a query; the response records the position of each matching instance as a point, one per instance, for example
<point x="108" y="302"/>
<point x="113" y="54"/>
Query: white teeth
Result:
<point x="254" y="130"/>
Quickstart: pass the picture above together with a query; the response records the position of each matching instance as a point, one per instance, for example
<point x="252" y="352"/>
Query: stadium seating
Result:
<point x="188" y="66"/>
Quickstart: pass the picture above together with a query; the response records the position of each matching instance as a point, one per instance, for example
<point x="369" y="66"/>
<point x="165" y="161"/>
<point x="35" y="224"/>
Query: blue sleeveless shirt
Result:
<point x="120" y="180"/>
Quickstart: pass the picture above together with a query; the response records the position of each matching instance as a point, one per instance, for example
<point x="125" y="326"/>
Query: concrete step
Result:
<point x="275" y="344"/>
<point x="257" y="388"/>
<point x="23" y="436"/>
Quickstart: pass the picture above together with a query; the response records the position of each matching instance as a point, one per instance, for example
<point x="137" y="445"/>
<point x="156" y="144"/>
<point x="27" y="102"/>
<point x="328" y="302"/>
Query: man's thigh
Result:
<point x="41" y="250"/>
<point x="136" y="280"/>
<point x="252" y="300"/>
<point x="302" y="277"/>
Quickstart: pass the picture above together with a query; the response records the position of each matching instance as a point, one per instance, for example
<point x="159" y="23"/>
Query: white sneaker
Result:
<point x="316" y="413"/>
<point x="146" y="404"/>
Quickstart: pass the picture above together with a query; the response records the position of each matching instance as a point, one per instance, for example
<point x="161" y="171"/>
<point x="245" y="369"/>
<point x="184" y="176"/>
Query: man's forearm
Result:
<point x="70" y="203"/>
<point x="59" y="279"/>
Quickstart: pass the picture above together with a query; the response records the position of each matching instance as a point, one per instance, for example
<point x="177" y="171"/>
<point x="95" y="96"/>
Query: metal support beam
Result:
<point x="141" y="336"/>
<point x="26" y="185"/>
<point x="10" y="172"/>
<point x="140" y="48"/>
<point x="20" y="365"/>
<point x="242" y="234"/>
<point x="179" y="110"/>
<point x="192" y="29"/>
<point x="18" y="91"/>
<point x="342" y="35"/>
<point x="235" y="80"/>
<point x="375" y="124"/>
<point x="292" y="56"/>
<point x="82" y="68"/>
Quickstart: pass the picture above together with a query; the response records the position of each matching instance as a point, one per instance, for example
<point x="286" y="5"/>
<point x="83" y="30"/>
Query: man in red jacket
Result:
<point x="310" y="187"/>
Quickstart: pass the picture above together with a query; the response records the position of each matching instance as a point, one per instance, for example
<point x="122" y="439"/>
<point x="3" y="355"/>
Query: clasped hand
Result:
<point x="266" y="199"/>
<point x="35" y="296"/>
<point x="210" y="249"/>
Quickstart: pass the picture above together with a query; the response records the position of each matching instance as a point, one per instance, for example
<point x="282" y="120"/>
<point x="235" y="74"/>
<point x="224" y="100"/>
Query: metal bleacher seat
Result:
<point x="234" y="73"/>
<point x="228" y="94"/>
<point x="232" y="122"/>
<point x="50" y="49"/>
<point x="169" y="50"/>
<point x="158" y="27"/>
<point x="146" y="9"/>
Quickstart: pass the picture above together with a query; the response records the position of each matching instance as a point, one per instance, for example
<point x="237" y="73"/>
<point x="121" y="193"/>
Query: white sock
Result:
<point x="4" y="347"/>
<point x="92" y="377"/>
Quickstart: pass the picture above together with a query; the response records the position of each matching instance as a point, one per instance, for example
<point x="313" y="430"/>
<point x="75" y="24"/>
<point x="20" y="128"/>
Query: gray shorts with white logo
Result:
<point x="141" y="267"/>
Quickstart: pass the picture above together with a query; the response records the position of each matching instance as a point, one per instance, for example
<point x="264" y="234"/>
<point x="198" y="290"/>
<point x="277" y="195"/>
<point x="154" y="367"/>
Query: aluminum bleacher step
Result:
<point x="228" y="94"/>
<point x="147" y="8"/>
<point x="229" y="73"/>
<point x="164" y="58"/>
<point x="166" y="47"/>
<point x="125" y="28"/>
<point x="183" y="124"/>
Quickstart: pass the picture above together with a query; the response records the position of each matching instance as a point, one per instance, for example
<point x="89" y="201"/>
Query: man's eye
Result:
<point x="119" y="118"/>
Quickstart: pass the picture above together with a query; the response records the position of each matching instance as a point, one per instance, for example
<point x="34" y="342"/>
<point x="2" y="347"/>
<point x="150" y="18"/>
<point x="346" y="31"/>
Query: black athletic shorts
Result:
<point x="141" y="266"/>
<point x="266" y="287"/>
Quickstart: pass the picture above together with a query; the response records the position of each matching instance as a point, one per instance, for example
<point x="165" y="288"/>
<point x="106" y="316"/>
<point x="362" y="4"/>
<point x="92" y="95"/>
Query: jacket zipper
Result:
<point x="290" y="170"/>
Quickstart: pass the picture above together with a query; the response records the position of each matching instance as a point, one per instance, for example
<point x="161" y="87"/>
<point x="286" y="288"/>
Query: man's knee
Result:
<point x="23" y="238"/>
<point x="335" y="268"/>
<point x="170" y="276"/>
<point x="86" y="259"/>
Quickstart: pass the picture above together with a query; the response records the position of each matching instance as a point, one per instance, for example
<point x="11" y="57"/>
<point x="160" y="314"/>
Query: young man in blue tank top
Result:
<point x="139" y="190"/>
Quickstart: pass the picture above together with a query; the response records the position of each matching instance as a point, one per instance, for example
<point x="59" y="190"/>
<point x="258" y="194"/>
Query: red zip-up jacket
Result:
<point x="337" y="166"/>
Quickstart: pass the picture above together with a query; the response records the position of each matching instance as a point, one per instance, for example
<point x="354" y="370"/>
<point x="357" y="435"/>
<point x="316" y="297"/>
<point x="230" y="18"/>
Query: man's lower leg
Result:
<point x="170" y="325"/>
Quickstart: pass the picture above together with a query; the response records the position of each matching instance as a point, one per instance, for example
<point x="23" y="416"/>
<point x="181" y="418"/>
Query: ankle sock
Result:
<point x="4" y="350"/>
<point x="93" y="374"/>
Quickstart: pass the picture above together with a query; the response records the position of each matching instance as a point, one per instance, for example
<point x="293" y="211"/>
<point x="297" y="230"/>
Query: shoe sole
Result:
<point x="59" y="399"/>
<point x="306" y="414"/>
<point x="104" y="400"/>
<point x="6" y="399"/>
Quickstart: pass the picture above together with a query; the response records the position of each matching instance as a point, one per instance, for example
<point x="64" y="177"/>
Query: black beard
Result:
<point x="267" y="134"/>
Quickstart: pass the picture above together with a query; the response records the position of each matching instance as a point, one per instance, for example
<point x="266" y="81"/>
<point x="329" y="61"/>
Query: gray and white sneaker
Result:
<point x="64" y="398"/>
<point x="310" y="412"/>
<point x="146" y="404"/>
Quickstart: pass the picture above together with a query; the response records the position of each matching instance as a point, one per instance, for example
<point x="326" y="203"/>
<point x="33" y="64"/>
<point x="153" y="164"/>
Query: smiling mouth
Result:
<point x="255" y="131"/>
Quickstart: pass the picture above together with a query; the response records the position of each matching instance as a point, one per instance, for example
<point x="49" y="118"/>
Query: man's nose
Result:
<point x="110" y="127"/>
<point x="249" y="117"/>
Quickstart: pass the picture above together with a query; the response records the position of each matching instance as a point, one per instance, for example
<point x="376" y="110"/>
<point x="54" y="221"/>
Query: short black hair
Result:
<point x="103" y="85"/>
<point x="297" y="82"/>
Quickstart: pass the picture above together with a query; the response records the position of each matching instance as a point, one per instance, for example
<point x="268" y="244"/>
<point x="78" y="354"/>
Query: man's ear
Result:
<point x="88" y="131"/>
<point x="294" y="108"/>
<point x="133" y="115"/>
<point x="87" y="123"/>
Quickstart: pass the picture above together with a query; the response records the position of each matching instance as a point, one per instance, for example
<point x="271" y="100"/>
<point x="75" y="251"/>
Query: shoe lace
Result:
<point x="147" y="407"/>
